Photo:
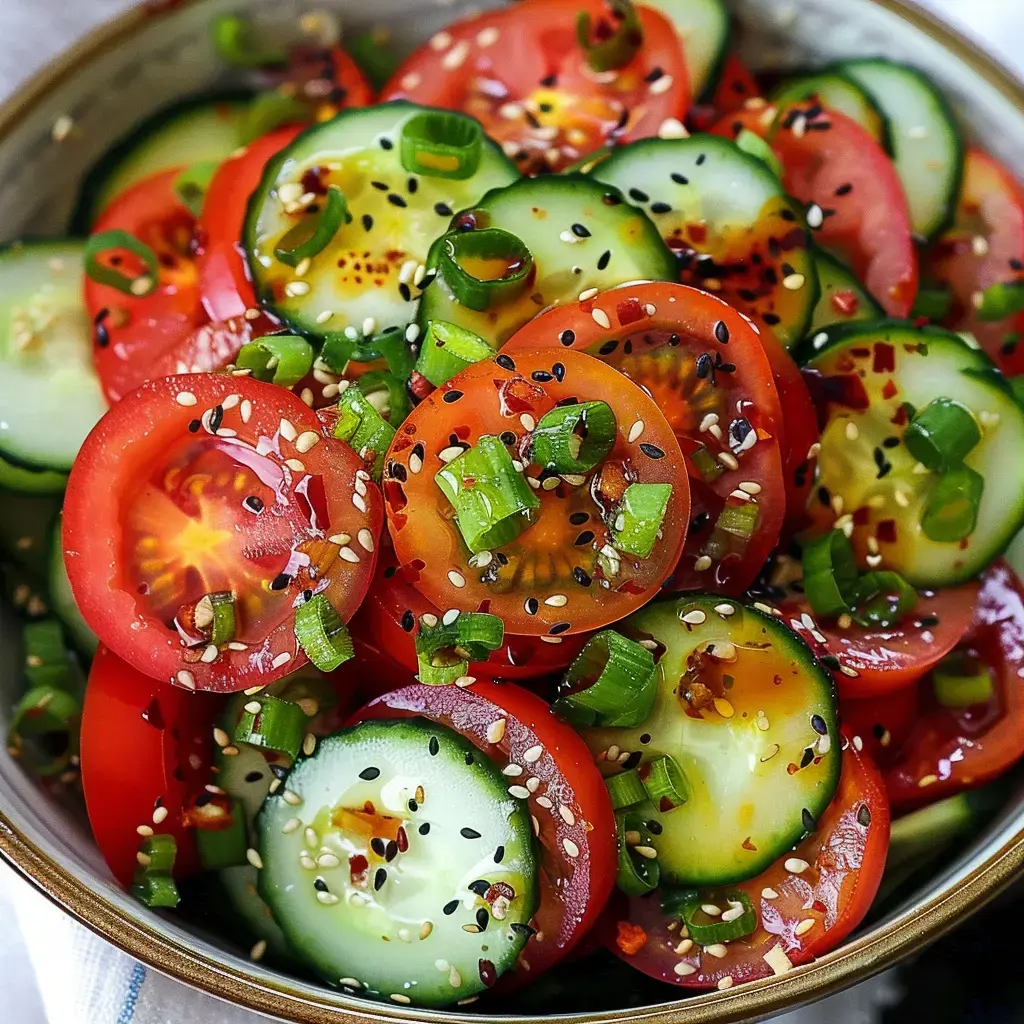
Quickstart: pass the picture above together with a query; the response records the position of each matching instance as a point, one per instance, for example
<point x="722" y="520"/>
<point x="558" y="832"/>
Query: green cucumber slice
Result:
<point x="730" y="223"/>
<point x="871" y="378"/>
<point x="837" y="92"/>
<point x="704" y="32"/>
<point x="761" y="758"/>
<point x="62" y="600"/>
<point x="925" y="139"/>
<point x="582" y="235"/>
<point x="367" y="278"/>
<point x="441" y="909"/>
<point x="49" y="392"/>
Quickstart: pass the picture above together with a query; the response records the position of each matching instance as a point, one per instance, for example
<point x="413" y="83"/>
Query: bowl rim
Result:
<point x="852" y="962"/>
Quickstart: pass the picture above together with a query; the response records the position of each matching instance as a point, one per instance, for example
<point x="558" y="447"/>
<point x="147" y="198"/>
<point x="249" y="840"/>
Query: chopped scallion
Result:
<point x="640" y="517"/>
<point x="235" y="44"/>
<point x="932" y="304"/>
<point x="637" y="874"/>
<point x="440" y="144"/>
<point x="738" y="916"/>
<point x="363" y="427"/>
<point x="614" y="41"/>
<point x="830" y="574"/>
<point x="445" y="651"/>
<point x="574" y="438"/>
<point x="277" y="358"/>
<point x="962" y="682"/>
<point x="883" y="599"/>
<point x="446" y="349"/>
<point x="753" y="145"/>
<point x="485" y="267"/>
<point x="625" y="790"/>
<point x="665" y="783"/>
<point x="1002" y="300"/>
<point x="224" y="847"/>
<point x="387" y="394"/>
<point x="193" y="183"/>
<point x="115" y="241"/>
<point x="322" y="635"/>
<point x="942" y="435"/>
<point x="277" y="725"/>
<point x="44" y="729"/>
<point x="951" y="513"/>
<point x="314" y="233"/>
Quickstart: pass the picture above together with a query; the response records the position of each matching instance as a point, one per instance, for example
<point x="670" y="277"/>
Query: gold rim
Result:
<point x="853" y="962"/>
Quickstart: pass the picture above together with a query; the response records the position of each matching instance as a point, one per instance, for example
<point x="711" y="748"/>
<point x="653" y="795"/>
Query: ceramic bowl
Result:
<point x="159" y="52"/>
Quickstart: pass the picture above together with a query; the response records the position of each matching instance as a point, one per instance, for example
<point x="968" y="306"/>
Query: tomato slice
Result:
<point x="856" y="204"/>
<point x="146" y="750"/>
<point x="224" y="279"/>
<point x="984" y="247"/>
<point x="327" y="76"/>
<point x="207" y="484"/>
<point x="736" y="85"/>
<point x="132" y="332"/>
<point x="553" y="578"/>
<point x="521" y="72"/>
<point x="951" y="749"/>
<point x="881" y="724"/>
<point x="571" y="811"/>
<point x="705" y="366"/>
<point x="872" y="661"/>
<point x="390" y="618"/>
<point x="845" y="858"/>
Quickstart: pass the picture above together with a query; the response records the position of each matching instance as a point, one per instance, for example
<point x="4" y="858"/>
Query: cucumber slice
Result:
<point x="868" y="373"/>
<point x="30" y="481"/>
<point x="62" y="600"/>
<point x="925" y="139"/>
<point x="749" y="715"/>
<point x="26" y="521"/>
<point x="365" y="275"/>
<point x="837" y="92"/>
<point x="704" y="31"/>
<point x="412" y="926"/>
<point x="49" y="392"/>
<point x="843" y="298"/>
<point x="730" y="223"/>
<point x="200" y="129"/>
<point x="582" y="236"/>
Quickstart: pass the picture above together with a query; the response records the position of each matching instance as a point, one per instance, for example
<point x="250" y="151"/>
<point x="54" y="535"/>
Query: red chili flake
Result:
<point x="312" y="181"/>
<point x="890" y="390"/>
<point x="518" y="395"/>
<point x="861" y="352"/>
<point x="629" y="311"/>
<point x="697" y="233"/>
<point x="886" y="531"/>
<point x="358" y="869"/>
<point x="845" y="302"/>
<point x="901" y="417"/>
<point x="419" y="385"/>
<point x="748" y="845"/>
<point x="862" y="516"/>
<point x="402" y="839"/>
<point x="499" y="889"/>
<point x="488" y="975"/>
<point x="394" y="495"/>
<point x="630" y="938"/>
<point x="462" y="433"/>
<point x="819" y="907"/>
<point x="885" y="358"/>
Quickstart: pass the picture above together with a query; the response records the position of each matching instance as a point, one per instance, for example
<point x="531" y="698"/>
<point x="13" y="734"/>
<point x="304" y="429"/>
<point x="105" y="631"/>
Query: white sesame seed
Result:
<point x="456" y="579"/>
<point x="512" y="770"/>
<point x="927" y="780"/>
<point x="571" y="849"/>
<point x="411" y="81"/>
<point x="556" y="600"/>
<point x="711" y="909"/>
<point x="795" y="865"/>
<point x="349" y="555"/>
<point x="306" y="440"/>
<point x="683" y="969"/>
<point x="519" y="792"/>
<point x="647" y="852"/>
<point x="601" y="318"/>
<point x="794" y="282"/>
<point x="717" y="949"/>
<point x="533" y="754"/>
<point x="448" y="454"/>
<point x="979" y="245"/>
<point x="160" y="815"/>
<point x="185" y="398"/>
<point x="672" y="128"/>
<point x="397" y="996"/>
<point x="724" y="983"/>
<point x="769" y="894"/>
<point x="291" y="825"/>
<point x="456" y="56"/>
<point x="587" y="294"/>
<point x="694" y="617"/>
<point x="254" y="858"/>
<point x="415" y="463"/>
<point x="465" y="681"/>
<point x="735" y="911"/>
<point x="565" y="813"/>
<point x="282" y="659"/>
<point x="291" y="797"/>
<point x="186" y="679"/>
<point x="296" y="289"/>
<point x="327" y="860"/>
<point x="365" y="539"/>
<point x="328" y="899"/>
<point x="308" y="744"/>
<point x="804" y="926"/>
<point x="533" y="783"/>
<point x="918" y="131"/>
<point x="357" y="500"/>
<point x="661" y="85"/>
<point x="702" y="563"/>
<point x="210" y="654"/>
<point x="527" y="421"/>
<point x="815" y="216"/>
<point x="725" y="610"/>
<point x="496" y="731"/>
<point x="728" y="460"/>
<point x="543" y="801"/>
<point x="777" y="960"/>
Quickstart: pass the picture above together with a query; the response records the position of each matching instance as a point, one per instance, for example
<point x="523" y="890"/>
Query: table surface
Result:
<point x="33" y="31"/>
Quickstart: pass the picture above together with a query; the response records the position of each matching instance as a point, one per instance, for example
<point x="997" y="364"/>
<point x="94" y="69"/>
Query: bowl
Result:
<point x="160" y="51"/>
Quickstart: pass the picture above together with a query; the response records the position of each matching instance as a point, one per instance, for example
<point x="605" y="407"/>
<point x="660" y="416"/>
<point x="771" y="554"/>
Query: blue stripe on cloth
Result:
<point x="131" y="997"/>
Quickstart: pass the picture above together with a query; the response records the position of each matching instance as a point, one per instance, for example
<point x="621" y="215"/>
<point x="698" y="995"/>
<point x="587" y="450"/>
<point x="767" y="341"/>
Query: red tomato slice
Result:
<point x="856" y="204"/>
<point x="134" y="332"/>
<point x="736" y="85"/>
<point x="872" y="662"/>
<point x="145" y="753"/>
<point x="984" y="247"/>
<point x="571" y="811"/>
<point x="552" y="579"/>
<point x="717" y="395"/>
<point x="390" y="617"/>
<point x="223" y="273"/>
<point x="952" y="749"/>
<point x="203" y="484"/>
<point x="521" y="72"/>
<point x="846" y="857"/>
<point x="881" y="725"/>
<point x="328" y="77"/>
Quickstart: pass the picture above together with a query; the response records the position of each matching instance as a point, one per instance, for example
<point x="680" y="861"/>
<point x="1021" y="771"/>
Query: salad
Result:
<point x="525" y="516"/>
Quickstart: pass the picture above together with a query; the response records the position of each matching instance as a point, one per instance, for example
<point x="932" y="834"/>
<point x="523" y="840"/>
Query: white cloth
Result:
<point x="54" y="971"/>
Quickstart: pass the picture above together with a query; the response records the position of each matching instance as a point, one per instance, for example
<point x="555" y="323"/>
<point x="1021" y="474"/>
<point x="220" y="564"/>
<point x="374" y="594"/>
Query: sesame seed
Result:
<point x="527" y="421"/>
<point x="794" y="282"/>
<point x="291" y="825"/>
<point x="306" y="440"/>
<point x="815" y="216"/>
<point x="358" y="502"/>
<point x="533" y="754"/>
<point x="728" y="460"/>
<point x="496" y="731"/>
<point x="723" y="707"/>
<point x="601" y="318"/>
<point x="464" y="681"/>
<point x="979" y="245"/>
<point x="804" y="926"/>
<point x="672" y="128"/>
<point x="512" y="770"/>
<point x="348" y="554"/>
<point x="456" y="579"/>
<point x="683" y="969"/>
<point x="711" y="909"/>
<point x="695" y="617"/>
<point x="519" y="792"/>
<point x="185" y="398"/>
<point x="636" y="430"/>
<point x="571" y="849"/>
<point x="795" y="865"/>
<point x="294" y="465"/>
<point x="254" y="858"/>
<point x="296" y="289"/>
<point x="160" y="815"/>
<point x="684" y="947"/>
<point x="663" y="84"/>
<point x="556" y="601"/>
<point x="587" y="294"/>
<point x="566" y="814"/>
<point x="448" y="454"/>
<point x="543" y="801"/>
<point x="717" y="949"/>
<point x="220" y="737"/>
<point x="769" y="894"/>
<point x="918" y="131"/>
<point x="927" y="780"/>
<point x="365" y="539"/>
<point x="533" y="783"/>
<point x="145" y="831"/>
<point x="186" y="679"/>
<point x="647" y="852"/>
<point x="702" y="563"/>
<point x="210" y="654"/>
<point x="456" y="56"/>
<point x="725" y="983"/>
<point x="487" y="36"/>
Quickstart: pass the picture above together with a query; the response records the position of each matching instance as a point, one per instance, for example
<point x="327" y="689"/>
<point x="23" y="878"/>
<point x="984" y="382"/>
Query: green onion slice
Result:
<point x="270" y="110"/>
<point x="709" y="468"/>
<point x="158" y="853"/>
<point x="626" y="790"/>
<point x="322" y="635"/>
<point x="1002" y="300"/>
<point x="942" y="434"/>
<point x="753" y="145"/>
<point x="447" y="349"/>
<point x="737" y="918"/>
<point x="498" y="506"/>
<point x="604" y="51"/>
<point x="277" y="725"/>
<point x="445" y="651"/>
<point x="278" y="358"/>
<point x="314" y="233"/>
<point x="665" y="783"/>
<point x="387" y="394"/>
<point x="951" y="513"/>
<point x="733" y="529"/>
<point x="574" y="438"/>
<point x="234" y="42"/>
<point x="830" y="574"/>
<point x="153" y="884"/>
<point x="46" y="655"/>
<point x="485" y="267"/>
<point x="932" y="303"/>
<point x="44" y="730"/>
<point x="215" y="615"/>
<point x="440" y="144"/>
<point x="375" y="60"/>
<point x="640" y="517"/>
<point x="341" y="348"/>
<point x="155" y="891"/>
<point x="962" y="682"/>
<point x="224" y="847"/>
<point x="102" y="273"/>
<point x="883" y="599"/>
<point x="612" y="682"/>
<point x="193" y="183"/>
<point x="363" y="427"/>
<point x="637" y="874"/>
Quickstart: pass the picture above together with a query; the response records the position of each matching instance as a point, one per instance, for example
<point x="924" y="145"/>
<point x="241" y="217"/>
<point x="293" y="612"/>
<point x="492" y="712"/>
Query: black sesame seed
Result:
<point x="818" y="725"/>
<point x="608" y="348"/>
<point x="386" y="144"/>
<point x="632" y="761"/>
<point x="381" y="186"/>
<point x="701" y="159"/>
<point x="581" y="577"/>
<point x="412" y="185"/>
<point x="369" y="774"/>
<point x="506" y="362"/>
<point x="280" y="582"/>
<point x="559" y="627"/>
<point x="253" y="503"/>
<point x="567" y="338"/>
<point x="652" y="451"/>
<point x="405" y="291"/>
<point x="443" y="209"/>
<point x="451" y="397"/>
<point x="654" y="827"/>
<point x="482" y="918"/>
<point x="704" y="365"/>
<point x="680" y="179"/>
<point x="771" y="319"/>
<point x="584" y="538"/>
<point x="320" y="885"/>
<point x="253" y="776"/>
<point x="645" y="737"/>
<point x="499" y="854"/>
<point x="611" y="199"/>
<point x="216" y="418"/>
<point x="929" y="621"/>
<point x="508" y="438"/>
<point x="279" y="772"/>
<point x="408" y="620"/>
<point x="424" y="828"/>
<point x="580" y="231"/>
<point x="559" y="371"/>
<point x="722" y="332"/>
<point x="469" y="833"/>
<point x="479" y="887"/>
<point x="450" y="908"/>
<point x="579" y="518"/>
<point x="1016" y="264"/>
<point x="661" y="208"/>
<point x="864" y="815"/>
<point x="807" y="820"/>
<point x="379" y="878"/>
<point x="740" y="429"/>
<point x="532" y="606"/>
<point x="674" y="340"/>
<point x="433" y="746"/>
<point x="391" y="851"/>
<point x="640" y="197"/>
<point x="830" y="661"/>
<point x="367" y="222"/>
<point x="194" y="426"/>
<point x="378" y="846"/>
<point x="548" y="80"/>
<point x="398" y="472"/>
<point x="203" y="799"/>
<point x="469" y="758"/>
<point x="541" y="376"/>
<point x="523" y="929"/>
<point x="396" y="200"/>
<point x="807" y="758"/>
